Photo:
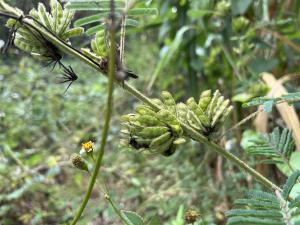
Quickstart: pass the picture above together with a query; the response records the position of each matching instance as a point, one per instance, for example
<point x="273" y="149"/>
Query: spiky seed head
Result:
<point x="191" y="216"/>
<point x="79" y="162"/>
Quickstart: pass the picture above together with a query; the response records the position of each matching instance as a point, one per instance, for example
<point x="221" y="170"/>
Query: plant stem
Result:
<point x="111" y="72"/>
<point x="117" y="211"/>
<point x="67" y="49"/>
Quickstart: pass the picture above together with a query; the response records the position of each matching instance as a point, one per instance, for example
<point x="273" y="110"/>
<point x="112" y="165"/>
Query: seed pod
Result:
<point x="147" y="120"/>
<point x="79" y="162"/>
<point x="169" y="101"/>
<point x="179" y="141"/>
<point x="213" y="103"/>
<point x="160" y="140"/>
<point x="161" y="148"/>
<point x="144" y="110"/>
<point x="226" y="113"/>
<point x="42" y="15"/>
<point x="181" y="110"/>
<point x="73" y="32"/>
<point x="220" y="112"/>
<point x="157" y="102"/>
<point x="194" y="121"/>
<point x="204" y="99"/>
<point x="152" y="132"/>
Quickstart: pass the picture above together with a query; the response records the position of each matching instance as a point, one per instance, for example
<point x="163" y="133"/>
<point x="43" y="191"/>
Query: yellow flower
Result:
<point x="88" y="146"/>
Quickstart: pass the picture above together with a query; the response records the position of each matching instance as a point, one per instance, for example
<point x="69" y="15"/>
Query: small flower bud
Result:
<point x="78" y="162"/>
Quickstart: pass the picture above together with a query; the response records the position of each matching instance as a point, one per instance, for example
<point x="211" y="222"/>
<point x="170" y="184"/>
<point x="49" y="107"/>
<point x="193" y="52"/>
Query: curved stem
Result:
<point x="67" y="49"/>
<point x="111" y="72"/>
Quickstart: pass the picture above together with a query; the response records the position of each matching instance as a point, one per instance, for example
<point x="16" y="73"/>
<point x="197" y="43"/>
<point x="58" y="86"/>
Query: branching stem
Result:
<point x="67" y="49"/>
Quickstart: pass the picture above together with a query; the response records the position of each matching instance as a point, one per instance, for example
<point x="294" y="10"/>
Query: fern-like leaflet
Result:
<point x="277" y="146"/>
<point x="263" y="208"/>
<point x="269" y="102"/>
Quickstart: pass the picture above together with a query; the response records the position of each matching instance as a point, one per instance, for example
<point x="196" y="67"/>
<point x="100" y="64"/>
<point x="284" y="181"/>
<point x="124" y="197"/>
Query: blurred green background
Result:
<point x="189" y="47"/>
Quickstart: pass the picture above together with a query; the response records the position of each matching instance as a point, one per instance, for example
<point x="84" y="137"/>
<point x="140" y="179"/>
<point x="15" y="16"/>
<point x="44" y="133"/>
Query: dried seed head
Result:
<point x="191" y="216"/>
<point x="79" y="162"/>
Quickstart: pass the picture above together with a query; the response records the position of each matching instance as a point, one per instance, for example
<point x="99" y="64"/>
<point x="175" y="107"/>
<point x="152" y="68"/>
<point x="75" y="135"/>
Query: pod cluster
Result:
<point x="58" y="21"/>
<point x="98" y="51"/>
<point x="153" y="132"/>
<point x="206" y="115"/>
<point x="161" y="132"/>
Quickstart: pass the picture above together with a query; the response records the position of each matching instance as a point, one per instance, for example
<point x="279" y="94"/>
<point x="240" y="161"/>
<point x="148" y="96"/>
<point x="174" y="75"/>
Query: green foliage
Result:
<point x="269" y="102"/>
<point x="267" y="208"/>
<point x="277" y="146"/>
<point x="137" y="9"/>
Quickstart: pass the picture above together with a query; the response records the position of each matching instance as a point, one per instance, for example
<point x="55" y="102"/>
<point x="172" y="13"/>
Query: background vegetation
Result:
<point x="190" y="46"/>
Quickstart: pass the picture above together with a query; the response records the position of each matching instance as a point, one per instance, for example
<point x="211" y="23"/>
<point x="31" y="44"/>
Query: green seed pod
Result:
<point x="226" y="113"/>
<point x="218" y="104"/>
<point x="220" y="112"/>
<point x="152" y="132"/>
<point x="192" y="105"/>
<point x="64" y="24"/>
<point x="213" y="103"/>
<point x="161" y="148"/>
<point x="79" y="162"/>
<point x="147" y="120"/>
<point x="74" y="32"/>
<point x="144" y="110"/>
<point x="167" y="117"/>
<point x="179" y="141"/>
<point x="10" y="23"/>
<point x="160" y="140"/>
<point x="167" y="98"/>
<point x="144" y="142"/>
<point x="204" y="99"/>
<point x="204" y="120"/>
<point x="43" y="16"/>
<point x="57" y="13"/>
<point x="194" y="121"/>
<point x="181" y="110"/>
<point x="157" y="102"/>
<point x="177" y="130"/>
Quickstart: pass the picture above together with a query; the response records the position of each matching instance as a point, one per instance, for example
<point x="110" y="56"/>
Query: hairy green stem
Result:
<point x="67" y="49"/>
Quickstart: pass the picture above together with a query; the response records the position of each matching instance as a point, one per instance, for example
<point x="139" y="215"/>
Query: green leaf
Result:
<point x="90" y="19"/>
<point x="168" y="55"/>
<point x="268" y="105"/>
<point x="155" y="221"/>
<point x="95" y="29"/>
<point x="143" y="12"/>
<point x="294" y="163"/>
<point x="133" y="218"/>
<point x="92" y="5"/>
<point x="287" y="188"/>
